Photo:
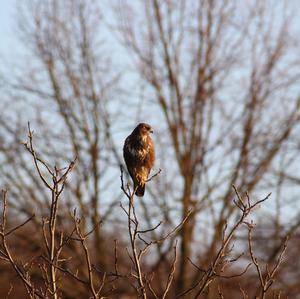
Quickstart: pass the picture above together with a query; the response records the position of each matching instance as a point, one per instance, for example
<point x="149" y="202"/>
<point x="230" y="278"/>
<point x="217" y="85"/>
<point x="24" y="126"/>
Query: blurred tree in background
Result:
<point x="219" y="82"/>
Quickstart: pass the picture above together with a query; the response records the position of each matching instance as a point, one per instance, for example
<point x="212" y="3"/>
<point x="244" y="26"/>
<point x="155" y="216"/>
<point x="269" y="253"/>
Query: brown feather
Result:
<point x="139" y="156"/>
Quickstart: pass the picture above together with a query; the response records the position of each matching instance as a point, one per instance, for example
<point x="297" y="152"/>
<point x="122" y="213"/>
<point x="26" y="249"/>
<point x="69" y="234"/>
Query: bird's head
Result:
<point x="143" y="129"/>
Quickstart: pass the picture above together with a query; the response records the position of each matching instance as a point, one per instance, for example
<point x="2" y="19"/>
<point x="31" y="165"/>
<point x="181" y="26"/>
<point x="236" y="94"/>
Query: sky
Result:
<point x="7" y="40"/>
<point x="9" y="45"/>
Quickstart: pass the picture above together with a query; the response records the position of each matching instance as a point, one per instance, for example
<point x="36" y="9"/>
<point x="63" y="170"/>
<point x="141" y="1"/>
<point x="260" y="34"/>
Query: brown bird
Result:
<point x="139" y="155"/>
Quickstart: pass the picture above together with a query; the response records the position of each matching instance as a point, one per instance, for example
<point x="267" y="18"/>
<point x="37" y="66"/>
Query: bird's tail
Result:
<point x="139" y="189"/>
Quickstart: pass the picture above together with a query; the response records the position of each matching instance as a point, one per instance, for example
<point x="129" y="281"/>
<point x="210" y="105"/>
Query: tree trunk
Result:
<point x="186" y="235"/>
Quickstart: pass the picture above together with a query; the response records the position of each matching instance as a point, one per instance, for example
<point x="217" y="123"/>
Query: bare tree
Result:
<point x="67" y="86"/>
<point x="220" y="74"/>
<point x="220" y="80"/>
<point x="55" y="241"/>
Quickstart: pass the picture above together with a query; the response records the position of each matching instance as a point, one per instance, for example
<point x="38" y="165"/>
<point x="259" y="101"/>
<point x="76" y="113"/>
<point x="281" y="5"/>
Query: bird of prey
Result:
<point x="139" y="155"/>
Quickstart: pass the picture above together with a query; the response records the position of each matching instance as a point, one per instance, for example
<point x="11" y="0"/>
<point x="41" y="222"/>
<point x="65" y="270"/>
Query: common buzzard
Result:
<point x="139" y="155"/>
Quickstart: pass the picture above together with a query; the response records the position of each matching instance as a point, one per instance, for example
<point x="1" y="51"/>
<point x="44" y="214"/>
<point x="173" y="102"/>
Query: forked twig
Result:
<point x="245" y="208"/>
<point x="135" y="233"/>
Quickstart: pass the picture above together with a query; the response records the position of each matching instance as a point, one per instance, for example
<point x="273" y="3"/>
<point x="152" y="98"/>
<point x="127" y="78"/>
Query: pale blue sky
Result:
<point x="10" y="45"/>
<point x="7" y="35"/>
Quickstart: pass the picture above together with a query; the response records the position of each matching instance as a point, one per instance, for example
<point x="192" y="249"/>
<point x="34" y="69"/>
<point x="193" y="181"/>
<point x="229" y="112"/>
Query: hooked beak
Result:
<point x="151" y="131"/>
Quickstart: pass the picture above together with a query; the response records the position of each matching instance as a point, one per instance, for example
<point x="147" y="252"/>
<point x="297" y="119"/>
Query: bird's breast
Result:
<point x="138" y="152"/>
